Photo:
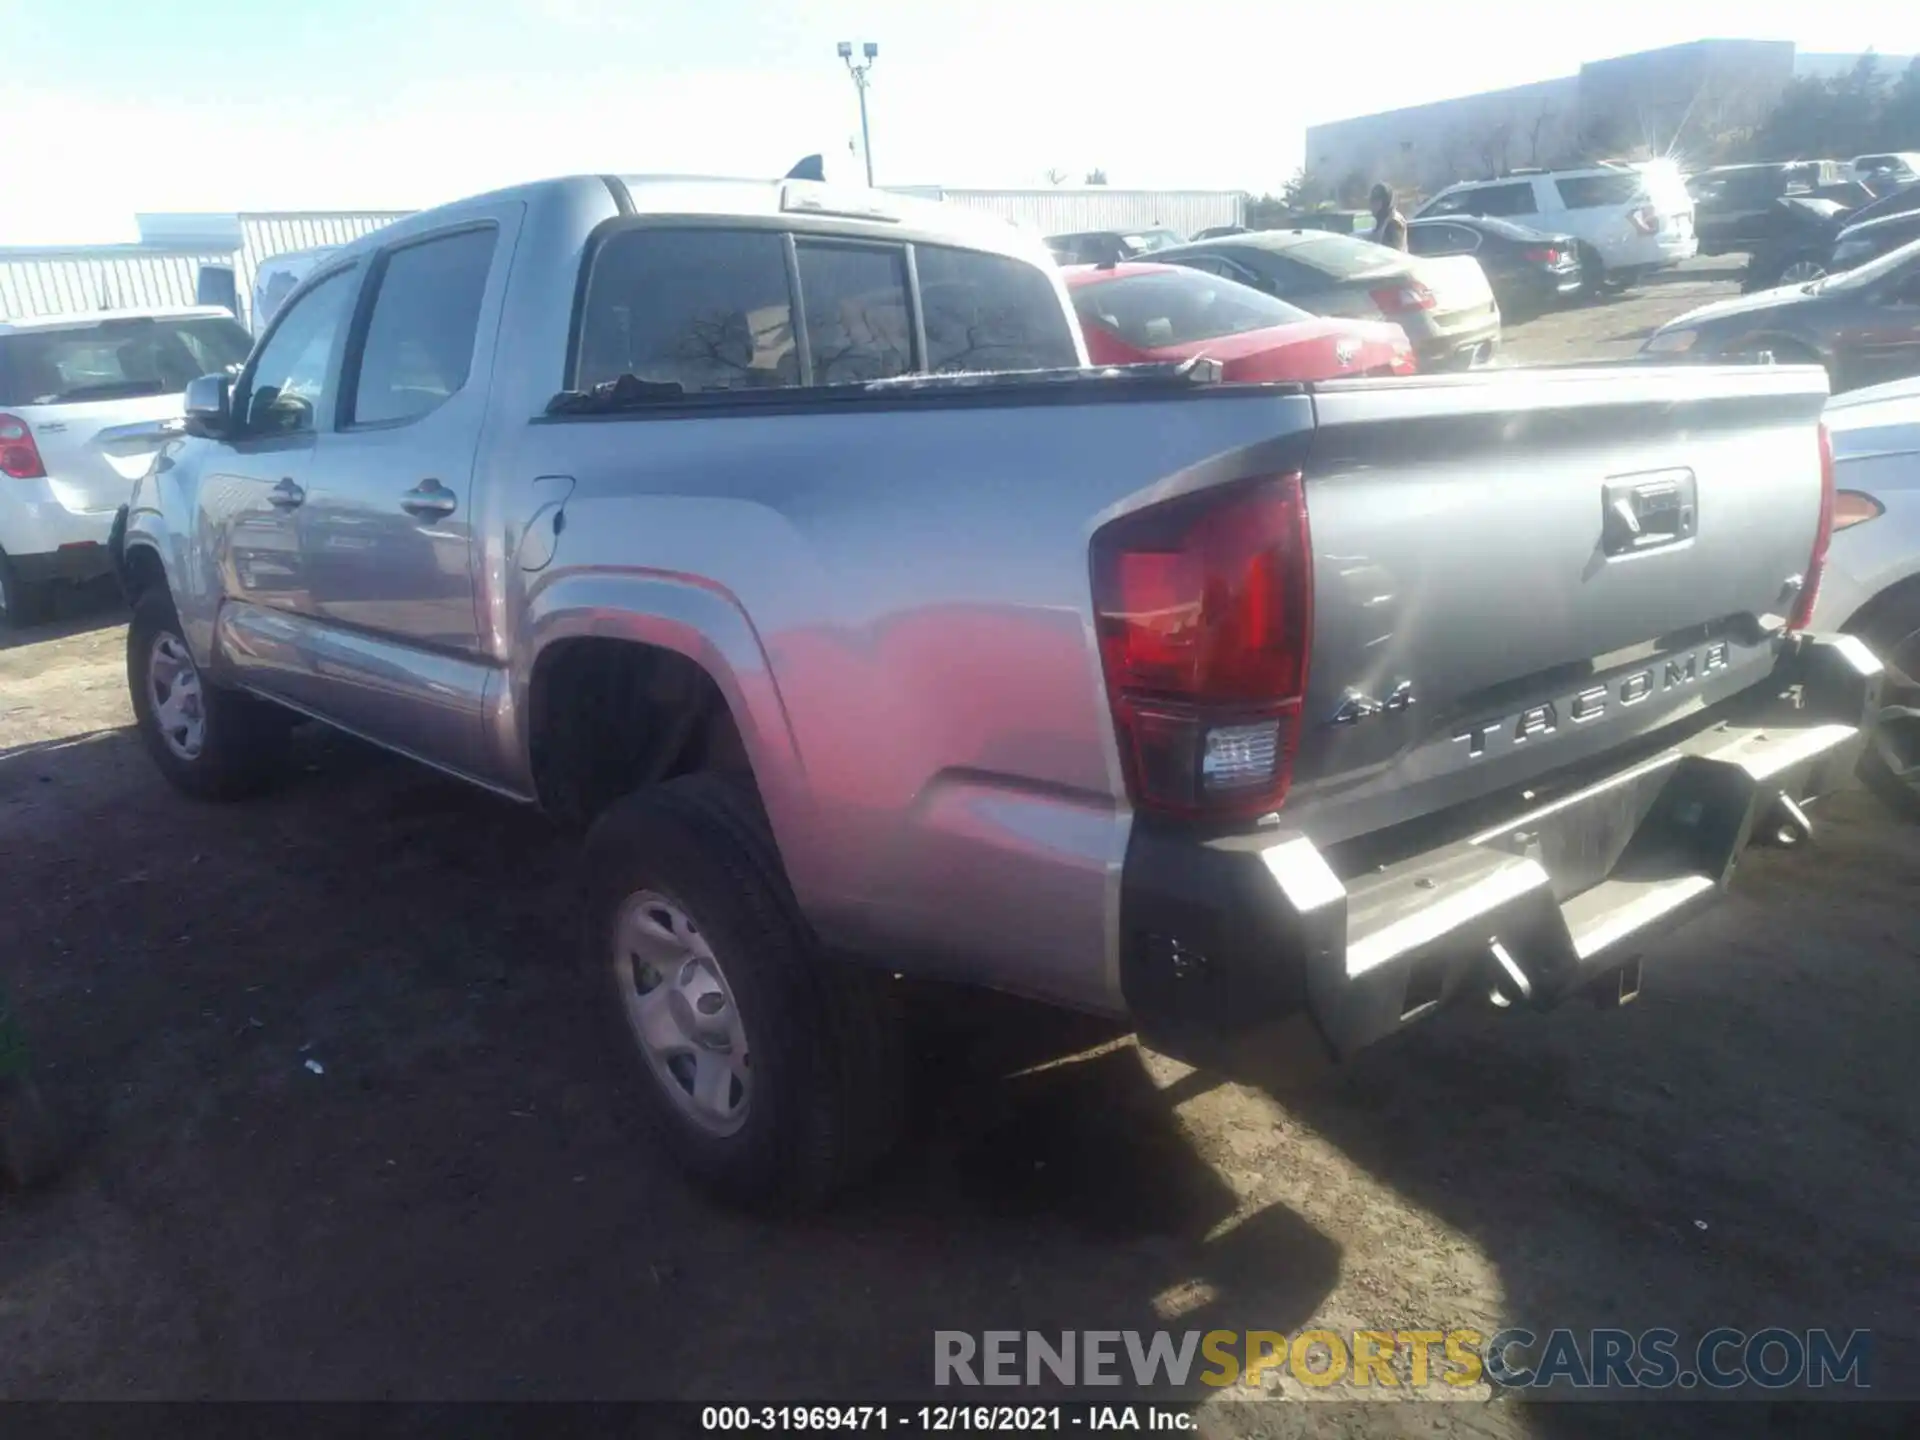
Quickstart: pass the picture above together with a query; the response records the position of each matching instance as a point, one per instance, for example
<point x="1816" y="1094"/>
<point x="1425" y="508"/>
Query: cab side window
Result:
<point x="291" y="377"/>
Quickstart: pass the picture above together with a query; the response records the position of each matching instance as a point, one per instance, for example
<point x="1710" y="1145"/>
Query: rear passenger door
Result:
<point x="388" y="533"/>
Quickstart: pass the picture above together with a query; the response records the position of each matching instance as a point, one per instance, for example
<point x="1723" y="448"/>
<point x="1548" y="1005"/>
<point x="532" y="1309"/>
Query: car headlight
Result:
<point x="1670" y="342"/>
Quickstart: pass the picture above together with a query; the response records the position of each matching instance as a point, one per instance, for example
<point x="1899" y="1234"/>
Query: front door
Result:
<point x="253" y="486"/>
<point x="1884" y="339"/>
<point x="388" y="529"/>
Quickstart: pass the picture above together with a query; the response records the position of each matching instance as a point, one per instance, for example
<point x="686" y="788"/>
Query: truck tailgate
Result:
<point x="1516" y="572"/>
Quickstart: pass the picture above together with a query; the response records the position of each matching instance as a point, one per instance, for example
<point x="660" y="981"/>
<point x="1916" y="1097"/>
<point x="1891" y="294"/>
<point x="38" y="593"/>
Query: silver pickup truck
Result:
<point x="779" y="538"/>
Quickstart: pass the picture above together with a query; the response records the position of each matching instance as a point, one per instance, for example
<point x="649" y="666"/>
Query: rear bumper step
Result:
<point x="1229" y="944"/>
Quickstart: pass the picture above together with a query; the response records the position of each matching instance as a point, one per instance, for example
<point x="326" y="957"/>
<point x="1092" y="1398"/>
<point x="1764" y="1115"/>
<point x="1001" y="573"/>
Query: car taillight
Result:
<point x="19" y="456"/>
<point x="1399" y="299"/>
<point x="1822" y="538"/>
<point x="1204" y="611"/>
<point x="1545" y="256"/>
<point x="1645" y="219"/>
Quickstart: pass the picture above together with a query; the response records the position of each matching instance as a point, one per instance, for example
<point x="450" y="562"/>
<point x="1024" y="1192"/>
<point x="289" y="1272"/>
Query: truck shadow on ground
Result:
<point x="343" y="1129"/>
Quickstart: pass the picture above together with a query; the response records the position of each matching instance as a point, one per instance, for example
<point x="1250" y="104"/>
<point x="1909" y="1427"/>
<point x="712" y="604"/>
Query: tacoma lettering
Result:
<point x="1540" y="721"/>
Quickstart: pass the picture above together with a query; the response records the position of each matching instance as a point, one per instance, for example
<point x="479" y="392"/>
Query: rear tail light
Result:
<point x="1204" y="611"/>
<point x="1645" y="219"/>
<point x="1399" y="299"/>
<point x="1822" y="538"/>
<point x="1544" y="255"/>
<point x="19" y="456"/>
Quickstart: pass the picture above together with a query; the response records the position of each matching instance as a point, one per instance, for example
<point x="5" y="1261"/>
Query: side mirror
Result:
<point x="209" y="406"/>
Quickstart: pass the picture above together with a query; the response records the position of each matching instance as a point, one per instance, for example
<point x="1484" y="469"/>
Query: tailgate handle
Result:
<point x="1645" y="512"/>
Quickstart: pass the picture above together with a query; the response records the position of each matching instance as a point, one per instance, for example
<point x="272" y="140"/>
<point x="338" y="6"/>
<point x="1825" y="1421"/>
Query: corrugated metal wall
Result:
<point x="57" y="282"/>
<point x="1063" y="212"/>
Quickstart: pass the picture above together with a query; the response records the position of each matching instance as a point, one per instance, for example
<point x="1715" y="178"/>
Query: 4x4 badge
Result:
<point x="1355" y="707"/>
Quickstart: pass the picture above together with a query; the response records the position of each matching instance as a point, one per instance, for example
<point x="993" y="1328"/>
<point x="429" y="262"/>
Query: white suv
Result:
<point x="1630" y="220"/>
<point x="85" y="401"/>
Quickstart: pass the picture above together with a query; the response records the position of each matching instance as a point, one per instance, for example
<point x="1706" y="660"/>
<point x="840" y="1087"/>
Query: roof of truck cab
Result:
<point x="722" y="197"/>
<point x="81" y="319"/>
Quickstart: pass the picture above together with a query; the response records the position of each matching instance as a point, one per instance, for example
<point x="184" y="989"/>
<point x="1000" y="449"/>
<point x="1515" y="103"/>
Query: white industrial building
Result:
<point x="164" y="267"/>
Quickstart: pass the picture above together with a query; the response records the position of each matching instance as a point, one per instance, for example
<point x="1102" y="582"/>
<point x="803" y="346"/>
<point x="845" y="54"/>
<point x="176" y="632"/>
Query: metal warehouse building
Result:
<point x="164" y="267"/>
<point x="1661" y="100"/>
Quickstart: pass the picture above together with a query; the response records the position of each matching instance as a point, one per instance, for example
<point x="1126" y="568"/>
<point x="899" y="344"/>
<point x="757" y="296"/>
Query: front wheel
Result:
<point x="771" y="1072"/>
<point x="210" y="743"/>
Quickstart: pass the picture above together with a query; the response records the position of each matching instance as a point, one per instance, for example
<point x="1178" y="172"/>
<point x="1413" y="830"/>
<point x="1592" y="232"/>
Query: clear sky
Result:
<point x="108" y="108"/>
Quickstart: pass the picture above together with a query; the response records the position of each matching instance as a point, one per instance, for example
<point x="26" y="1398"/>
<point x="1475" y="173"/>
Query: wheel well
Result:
<point x="1890" y="601"/>
<point x="606" y="717"/>
<point x="141" y="571"/>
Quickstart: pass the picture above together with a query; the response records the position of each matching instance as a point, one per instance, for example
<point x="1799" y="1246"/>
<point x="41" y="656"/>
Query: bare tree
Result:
<point x="1056" y="177"/>
<point x="1096" y="176"/>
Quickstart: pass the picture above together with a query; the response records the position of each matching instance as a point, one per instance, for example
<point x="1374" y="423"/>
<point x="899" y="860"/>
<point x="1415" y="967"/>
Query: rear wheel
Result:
<point x="1595" y="280"/>
<point x="772" y="1073"/>
<point x="1801" y="271"/>
<point x="1891" y="766"/>
<point x="211" y="743"/>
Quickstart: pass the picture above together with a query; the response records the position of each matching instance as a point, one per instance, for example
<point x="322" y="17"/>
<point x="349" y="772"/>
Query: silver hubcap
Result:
<point x="1897" y="738"/>
<point x="1802" y="271"/>
<point x="682" y="1013"/>
<point x="173" y="690"/>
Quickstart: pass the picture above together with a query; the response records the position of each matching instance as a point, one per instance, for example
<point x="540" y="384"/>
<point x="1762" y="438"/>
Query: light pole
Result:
<point x="859" y="72"/>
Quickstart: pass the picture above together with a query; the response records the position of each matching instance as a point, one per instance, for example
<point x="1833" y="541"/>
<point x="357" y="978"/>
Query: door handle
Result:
<point x="286" y="495"/>
<point x="429" y="500"/>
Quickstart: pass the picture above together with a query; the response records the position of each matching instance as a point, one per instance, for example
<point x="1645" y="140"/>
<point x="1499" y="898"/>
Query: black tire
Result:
<point x="824" y="1039"/>
<point x="1892" y="632"/>
<point x="244" y="740"/>
<point x="22" y="604"/>
<point x="1593" y="274"/>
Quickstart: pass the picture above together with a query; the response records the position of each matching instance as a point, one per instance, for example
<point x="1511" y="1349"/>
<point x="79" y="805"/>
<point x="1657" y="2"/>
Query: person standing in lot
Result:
<point x="26" y="1132"/>
<point x="1389" y="225"/>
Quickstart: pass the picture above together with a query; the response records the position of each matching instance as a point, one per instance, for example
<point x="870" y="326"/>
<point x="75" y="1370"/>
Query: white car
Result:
<point x="1871" y="583"/>
<point x="85" y="401"/>
<point x="1630" y="220"/>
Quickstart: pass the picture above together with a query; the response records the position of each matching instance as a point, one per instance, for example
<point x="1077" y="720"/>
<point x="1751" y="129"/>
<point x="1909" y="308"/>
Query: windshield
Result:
<point x="116" y="359"/>
<point x="1149" y="240"/>
<point x="1872" y="271"/>
<point x="1178" y="307"/>
<point x="1343" y="256"/>
<point x="1494" y="225"/>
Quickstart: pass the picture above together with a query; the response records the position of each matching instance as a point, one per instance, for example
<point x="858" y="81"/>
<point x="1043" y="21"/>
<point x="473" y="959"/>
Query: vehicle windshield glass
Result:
<point x="1870" y="272"/>
<point x="1178" y="307"/>
<point x="117" y="358"/>
<point x="1494" y="225"/>
<point x="1149" y="240"/>
<point x="1343" y="256"/>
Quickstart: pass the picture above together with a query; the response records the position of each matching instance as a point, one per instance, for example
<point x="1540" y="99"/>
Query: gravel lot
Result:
<point x="457" y="1207"/>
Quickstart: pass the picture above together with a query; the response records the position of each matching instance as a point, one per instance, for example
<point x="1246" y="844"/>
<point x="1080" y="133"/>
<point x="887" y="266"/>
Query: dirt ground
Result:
<point x="451" y="1201"/>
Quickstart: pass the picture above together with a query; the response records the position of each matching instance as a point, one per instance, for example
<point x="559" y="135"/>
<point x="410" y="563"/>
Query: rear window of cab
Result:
<point x="716" y="308"/>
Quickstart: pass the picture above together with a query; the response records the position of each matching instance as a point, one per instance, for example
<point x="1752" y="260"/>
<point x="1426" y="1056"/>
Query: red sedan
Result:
<point x="1136" y="312"/>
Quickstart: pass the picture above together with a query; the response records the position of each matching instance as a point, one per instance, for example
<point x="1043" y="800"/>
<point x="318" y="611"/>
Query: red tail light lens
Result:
<point x="19" y="456"/>
<point x="1545" y="255"/>
<point x="1204" y="611"/>
<point x="1822" y="538"/>
<point x="1399" y="299"/>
